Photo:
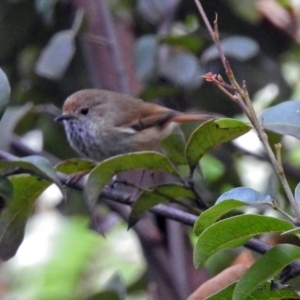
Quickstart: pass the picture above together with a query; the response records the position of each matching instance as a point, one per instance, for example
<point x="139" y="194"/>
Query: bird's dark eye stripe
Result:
<point x="84" y="111"/>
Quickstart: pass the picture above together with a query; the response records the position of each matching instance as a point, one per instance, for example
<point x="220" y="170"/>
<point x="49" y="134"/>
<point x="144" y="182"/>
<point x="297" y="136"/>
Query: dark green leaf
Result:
<point x="211" y="134"/>
<point x="38" y="165"/>
<point x="4" y="92"/>
<point x="104" y="171"/>
<point x="6" y="189"/>
<point x="270" y="264"/>
<point x="262" y="292"/>
<point x="234" y="232"/>
<point x="107" y="295"/>
<point x="211" y="215"/>
<point x="14" y="217"/>
<point x="160" y="194"/>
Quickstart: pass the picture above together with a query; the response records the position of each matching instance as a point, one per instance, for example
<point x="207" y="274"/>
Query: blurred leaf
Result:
<point x="38" y="165"/>
<point x="73" y="252"/>
<point x="263" y="292"/>
<point x="9" y="121"/>
<point x="4" y="92"/>
<point x="266" y="267"/>
<point x="247" y="195"/>
<point x="239" y="47"/>
<point x="234" y="232"/>
<point x="283" y="118"/>
<point x="174" y="146"/>
<point x="212" y="168"/>
<point x="75" y="165"/>
<point x="6" y="189"/>
<point x="211" y="134"/>
<point x="292" y="231"/>
<point x="211" y="215"/>
<point x="57" y="55"/>
<point x="14" y="217"/>
<point x="181" y="68"/>
<point x="105" y="170"/>
<point x="107" y="295"/>
<point x="116" y="284"/>
<point x="160" y="194"/>
<point x="191" y="43"/>
<point x="152" y="10"/>
<point x="144" y="56"/>
<point x="46" y="9"/>
<point x="297" y="193"/>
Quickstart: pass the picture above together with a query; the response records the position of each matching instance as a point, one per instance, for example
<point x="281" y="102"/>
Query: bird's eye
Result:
<point x="84" y="111"/>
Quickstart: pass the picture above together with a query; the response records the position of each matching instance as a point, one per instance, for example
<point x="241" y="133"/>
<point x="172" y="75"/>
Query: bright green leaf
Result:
<point x="75" y="165"/>
<point x="234" y="232"/>
<point x="105" y="170"/>
<point x="211" y="134"/>
<point x="160" y="194"/>
<point x="270" y="264"/>
<point x="14" y="217"/>
<point x="211" y="215"/>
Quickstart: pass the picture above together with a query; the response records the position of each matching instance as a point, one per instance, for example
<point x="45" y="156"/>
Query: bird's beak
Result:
<point x="63" y="118"/>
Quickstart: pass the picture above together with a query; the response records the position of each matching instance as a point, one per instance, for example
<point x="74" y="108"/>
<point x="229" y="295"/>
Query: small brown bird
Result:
<point x="100" y="124"/>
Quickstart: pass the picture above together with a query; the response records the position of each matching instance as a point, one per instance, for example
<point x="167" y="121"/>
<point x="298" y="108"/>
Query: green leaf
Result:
<point x="234" y="232"/>
<point x="160" y="194"/>
<point x="211" y="134"/>
<point x="223" y="294"/>
<point x="105" y="170"/>
<point x="75" y="165"/>
<point x="6" y="189"/>
<point x="38" y="165"/>
<point x="270" y="264"/>
<point x="190" y="43"/>
<point x="14" y="217"/>
<point x="4" y="92"/>
<point x="292" y="231"/>
<point x="106" y="295"/>
<point x="211" y="215"/>
<point x="174" y="146"/>
<point x="263" y="292"/>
